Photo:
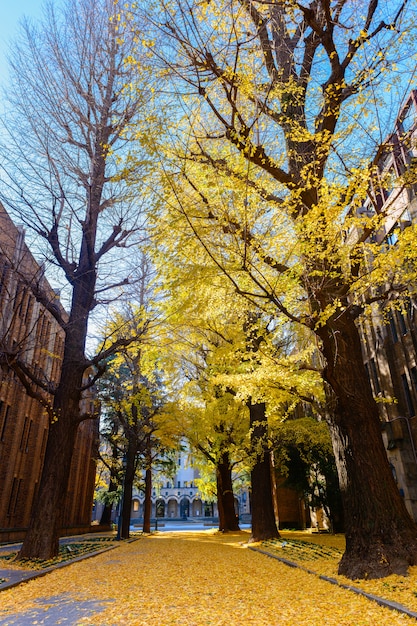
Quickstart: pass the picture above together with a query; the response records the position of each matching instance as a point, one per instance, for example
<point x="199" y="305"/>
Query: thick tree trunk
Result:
<point x="147" y="505"/>
<point x="42" y="537"/>
<point x="263" y="515"/>
<point x="228" y="520"/>
<point x="381" y="538"/>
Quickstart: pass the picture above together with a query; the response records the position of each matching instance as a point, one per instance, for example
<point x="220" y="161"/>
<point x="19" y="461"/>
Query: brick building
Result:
<point x="28" y="329"/>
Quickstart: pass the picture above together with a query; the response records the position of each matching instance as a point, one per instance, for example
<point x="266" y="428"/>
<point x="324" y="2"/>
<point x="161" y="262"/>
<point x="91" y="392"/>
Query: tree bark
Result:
<point x="274" y="488"/>
<point x="147" y="505"/>
<point x="107" y="511"/>
<point x="263" y="514"/>
<point x="228" y="520"/>
<point x="381" y="538"/>
<point x="42" y="537"/>
<point x="130" y="472"/>
<point x="105" y="519"/>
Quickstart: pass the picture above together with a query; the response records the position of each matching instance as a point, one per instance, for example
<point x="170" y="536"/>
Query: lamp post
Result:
<point x="158" y="495"/>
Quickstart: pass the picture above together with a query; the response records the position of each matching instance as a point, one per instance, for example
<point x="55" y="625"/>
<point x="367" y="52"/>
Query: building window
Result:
<point x="135" y="506"/>
<point x="5" y="414"/>
<point x="4" y="275"/>
<point x="409" y="119"/>
<point x="413" y="372"/>
<point x="375" y="377"/>
<point x="26" y="447"/>
<point x="14" y="496"/>
<point x="179" y="485"/>
<point x="401" y="323"/>
<point x="392" y="238"/>
<point x="393" y="328"/>
<point x="24" y="433"/>
<point x="407" y="395"/>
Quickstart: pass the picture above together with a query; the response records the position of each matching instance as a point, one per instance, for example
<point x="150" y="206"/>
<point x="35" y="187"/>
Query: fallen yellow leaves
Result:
<point x="197" y="579"/>
<point x="324" y="561"/>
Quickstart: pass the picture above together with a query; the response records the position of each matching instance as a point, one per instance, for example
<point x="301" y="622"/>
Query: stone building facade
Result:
<point x="175" y="497"/>
<point x="27" y="328"/>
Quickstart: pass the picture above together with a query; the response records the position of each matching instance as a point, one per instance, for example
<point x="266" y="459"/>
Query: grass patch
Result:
<point x="67" y="551"/>
<point x="299" y="550"/>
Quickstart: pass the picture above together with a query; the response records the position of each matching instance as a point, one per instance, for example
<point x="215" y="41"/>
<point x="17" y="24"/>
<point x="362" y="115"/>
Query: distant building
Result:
<point x="175" y="497"/>
<point x="178" y="498"/>
<point x="28" y="329"/>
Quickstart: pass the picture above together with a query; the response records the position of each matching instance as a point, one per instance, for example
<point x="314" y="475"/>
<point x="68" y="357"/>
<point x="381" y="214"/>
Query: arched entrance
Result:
<point x="185" y="507"/>
<point x="197" y="508"/>
<point x="208" y="509"/>
<point x="172" y="508"/>
<point x="160" y="508"/>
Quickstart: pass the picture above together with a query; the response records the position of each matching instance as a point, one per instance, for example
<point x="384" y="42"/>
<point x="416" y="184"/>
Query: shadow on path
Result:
<point x="59" y="609"/>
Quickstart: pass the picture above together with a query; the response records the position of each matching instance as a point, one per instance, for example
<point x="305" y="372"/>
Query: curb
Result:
<point x="394" y="606"/>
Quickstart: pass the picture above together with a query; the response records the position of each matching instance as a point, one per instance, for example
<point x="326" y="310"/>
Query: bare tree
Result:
<point x="68" y="174"/>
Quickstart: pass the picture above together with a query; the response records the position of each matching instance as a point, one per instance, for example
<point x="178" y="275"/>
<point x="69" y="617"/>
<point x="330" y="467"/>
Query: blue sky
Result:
<point x="11" y="13"/>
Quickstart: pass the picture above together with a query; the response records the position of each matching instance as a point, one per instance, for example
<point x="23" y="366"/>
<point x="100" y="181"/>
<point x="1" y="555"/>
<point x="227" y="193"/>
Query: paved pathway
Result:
<point x="186" y="579"/>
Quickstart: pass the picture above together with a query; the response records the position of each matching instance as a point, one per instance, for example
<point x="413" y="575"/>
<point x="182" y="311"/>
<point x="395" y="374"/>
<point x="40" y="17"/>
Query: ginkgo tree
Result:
<point x="240" y="373"/>
<point x="132" y="397"/>
<point x="268" y="169"/>
<point x="209" y="417"/>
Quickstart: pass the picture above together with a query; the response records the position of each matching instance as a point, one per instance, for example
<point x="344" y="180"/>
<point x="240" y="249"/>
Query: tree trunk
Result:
<point x="113" y="483"/>
<point x="263" y="515"/>
<point x="105" y="519"/>
<point x="147" y="505"/>
<point x="381" y="538"/>
<point x="228" y="520"/>
<point x="130" y="472"/>
<point x="274" y="488"/>
<point x="42" y="537"/>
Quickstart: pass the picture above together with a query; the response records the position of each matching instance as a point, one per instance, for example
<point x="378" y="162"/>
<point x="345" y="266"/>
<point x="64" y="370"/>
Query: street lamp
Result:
<point x="158" y="495"/>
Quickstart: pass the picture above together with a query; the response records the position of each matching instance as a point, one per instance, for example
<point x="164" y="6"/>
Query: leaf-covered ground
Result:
<point x="196" y="579"/>
<point x="322" y="553"/>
